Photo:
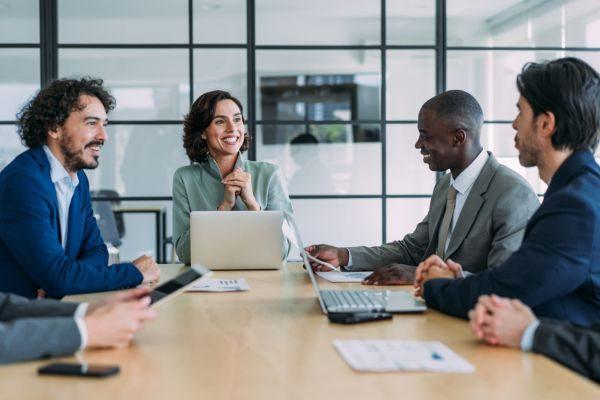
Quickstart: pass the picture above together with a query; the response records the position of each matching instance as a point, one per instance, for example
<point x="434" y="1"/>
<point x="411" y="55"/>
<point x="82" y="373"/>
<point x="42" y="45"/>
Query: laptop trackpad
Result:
<point x="400" y="301"/>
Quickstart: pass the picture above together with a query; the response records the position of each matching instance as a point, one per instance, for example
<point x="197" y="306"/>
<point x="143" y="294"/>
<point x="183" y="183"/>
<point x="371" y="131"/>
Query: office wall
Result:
<point x="364" y="182"/>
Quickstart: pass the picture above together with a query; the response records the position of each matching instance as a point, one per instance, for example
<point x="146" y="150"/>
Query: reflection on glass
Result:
<point x="148" y="84"/>
<point x="19" y="79"/>
<point x="11" y="145"/>
<point x="19" y="21"/>
<point x="223" y="69"/>
<point x="318" y="84"/>
<point x="406" y="172"/>
<point x="403" y="215"/>
<point x="312" y="165"/>
<point x="210" y="17"/>
<point x="135" y="155"/>
<point x="491" y="76"/>
<point x="410" y="82"/>
<point x="563" y="23"/>
<point x="118" y="21"/>
<point x="410" y="22"/>
<point x="311" y="22"/>
<point x="341" y="222"/>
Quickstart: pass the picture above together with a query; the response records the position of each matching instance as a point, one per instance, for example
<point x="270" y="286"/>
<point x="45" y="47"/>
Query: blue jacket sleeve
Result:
<point x="553" y="261"/>
<point x="27" y="232"/>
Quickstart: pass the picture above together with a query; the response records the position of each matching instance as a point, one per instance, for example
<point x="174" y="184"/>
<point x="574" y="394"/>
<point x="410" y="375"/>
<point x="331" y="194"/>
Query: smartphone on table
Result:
<point x="77" y="369"/>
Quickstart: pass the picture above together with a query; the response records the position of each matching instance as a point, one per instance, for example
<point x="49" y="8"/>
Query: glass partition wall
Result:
<point x="331" y="90"/>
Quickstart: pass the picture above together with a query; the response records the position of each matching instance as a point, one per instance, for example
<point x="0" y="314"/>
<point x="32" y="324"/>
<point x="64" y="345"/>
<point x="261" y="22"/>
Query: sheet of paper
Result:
<point x="357" y="276"/>
<point x="220" y="285"/>
<point x="400" y="355"/>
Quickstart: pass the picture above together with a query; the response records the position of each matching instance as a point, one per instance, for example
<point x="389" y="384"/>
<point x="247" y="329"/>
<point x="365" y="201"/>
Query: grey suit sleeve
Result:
<point x="13" y="307"/>
<point x="513" y="209"/>
<point x="574" y="347"/>
<point x="32" y="338"/>
<point x="409" y="250"/>
<point x="181" y="220"/>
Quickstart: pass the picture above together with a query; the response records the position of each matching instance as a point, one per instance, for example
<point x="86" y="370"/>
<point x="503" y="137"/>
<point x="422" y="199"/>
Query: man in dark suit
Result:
<point x="478" y="211"/>
<point x="36" y="329"/>
<point x="501" y="321"/>
<point x="50" y="243"/>
<point x="556" y="271"/>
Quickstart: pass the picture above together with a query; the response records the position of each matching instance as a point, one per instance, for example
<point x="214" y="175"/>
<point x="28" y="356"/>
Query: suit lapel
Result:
<point x="74" y="230"/>
<point x="472" y="205"/>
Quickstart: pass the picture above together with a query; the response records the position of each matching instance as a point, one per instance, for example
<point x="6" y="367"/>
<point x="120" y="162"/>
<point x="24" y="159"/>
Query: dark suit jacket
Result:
<point x="489" y="229"/>
<point x="31" y="255"/>
<point x="556" y="271"/>
<point x="574" y="347"/>
<point x="36" y="329"/>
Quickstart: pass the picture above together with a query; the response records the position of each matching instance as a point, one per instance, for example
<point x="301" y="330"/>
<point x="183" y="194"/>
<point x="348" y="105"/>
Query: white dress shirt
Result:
<point x="65" y="188"/>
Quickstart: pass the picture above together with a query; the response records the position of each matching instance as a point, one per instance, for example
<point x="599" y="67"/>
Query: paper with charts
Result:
<point x="400" y="355"/>
<point x="220" y="285"/>
<point x="344" y="276"/>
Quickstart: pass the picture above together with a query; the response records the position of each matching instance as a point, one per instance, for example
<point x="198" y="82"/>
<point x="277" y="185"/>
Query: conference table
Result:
<point x="273" y="342"/>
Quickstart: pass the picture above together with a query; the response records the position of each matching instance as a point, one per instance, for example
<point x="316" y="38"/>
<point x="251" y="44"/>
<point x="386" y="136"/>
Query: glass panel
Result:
<point x="318" y="84"/>
<point x="19" y="79"/>
<point x="118" y="21"/>
<point x="410" y="22"/>
<point x="339" y="222"/>
<point x="312" y="164"/>
<point x="524" y="23"/>
<point x="410" y="82"/>
<point x="211" y="16"/>
<point x="403" y="215"/>
<point x="406" y="172"/>
<point x="335" y="22"/>
<point x="10" y="145"/>
<point x="491" y="76"/>
<point x="19" y="21"/>
<point x="223" y="69"/>
<point x="148" y="84"/>
<point x="135" y="155"/>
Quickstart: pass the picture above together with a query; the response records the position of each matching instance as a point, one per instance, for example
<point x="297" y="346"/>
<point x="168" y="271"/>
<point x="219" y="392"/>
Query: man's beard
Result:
<point x="74" y="158"/>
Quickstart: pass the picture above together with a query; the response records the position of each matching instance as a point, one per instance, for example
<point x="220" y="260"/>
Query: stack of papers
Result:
<point x="399" y="355"/>
<point x="220" y="285"/>
<point x="344" y="276"/>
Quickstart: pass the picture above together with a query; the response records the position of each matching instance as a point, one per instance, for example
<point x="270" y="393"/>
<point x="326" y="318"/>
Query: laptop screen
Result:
<point x="291" y="231"/>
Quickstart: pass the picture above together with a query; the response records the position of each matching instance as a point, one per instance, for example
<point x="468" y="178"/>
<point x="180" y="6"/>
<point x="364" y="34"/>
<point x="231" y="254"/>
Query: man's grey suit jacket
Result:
<point x="32" y="329"/>
<point x="490" y="226"/>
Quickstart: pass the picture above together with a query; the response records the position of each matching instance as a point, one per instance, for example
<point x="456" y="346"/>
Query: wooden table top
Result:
<point x="273" y="342"/>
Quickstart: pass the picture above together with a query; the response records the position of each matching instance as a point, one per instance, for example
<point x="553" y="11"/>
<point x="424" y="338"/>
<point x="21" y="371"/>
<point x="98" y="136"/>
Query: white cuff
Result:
<point x="349" y="258"/>
<point x="527" y="338"/>
<point x="80" y="321"/>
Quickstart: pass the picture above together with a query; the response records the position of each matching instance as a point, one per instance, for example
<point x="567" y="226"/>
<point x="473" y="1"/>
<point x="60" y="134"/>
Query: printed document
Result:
<point x="400" y="355"/>
<point x="220" y="285"/>
<point x="357" y="276"/>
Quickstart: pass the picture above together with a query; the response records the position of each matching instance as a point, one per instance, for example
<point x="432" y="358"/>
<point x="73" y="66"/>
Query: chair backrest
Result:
<point x="106" y="218"/>
<point x="119" y="220"/>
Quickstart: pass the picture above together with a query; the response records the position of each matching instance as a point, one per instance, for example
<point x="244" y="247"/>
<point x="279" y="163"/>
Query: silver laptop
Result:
<point x="331" y="301"/>
<point x="237" y="239"/>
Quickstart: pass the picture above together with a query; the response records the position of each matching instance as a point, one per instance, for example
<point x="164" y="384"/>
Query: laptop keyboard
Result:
<point x="352" y="300"/>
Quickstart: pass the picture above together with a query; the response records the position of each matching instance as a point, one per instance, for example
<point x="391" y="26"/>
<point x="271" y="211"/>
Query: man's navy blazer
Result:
<point x="31" y="254"/>
<point x="556" y="271"/>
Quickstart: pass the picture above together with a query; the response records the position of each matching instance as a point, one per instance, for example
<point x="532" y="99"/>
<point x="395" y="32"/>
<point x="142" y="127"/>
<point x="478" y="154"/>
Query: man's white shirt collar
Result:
<point x="57" y="170"/>
<point x="467" y="178"/>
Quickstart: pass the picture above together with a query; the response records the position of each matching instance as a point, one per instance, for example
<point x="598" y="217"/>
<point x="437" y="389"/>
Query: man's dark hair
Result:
<point x="52" y="105"/>
<point x="460" y="109"/>
<point x="199" y="118"/>
<point x="570" y="89"/>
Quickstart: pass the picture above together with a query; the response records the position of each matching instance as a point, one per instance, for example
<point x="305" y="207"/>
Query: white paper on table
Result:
<point x="401" y="355"/>
<point x="333" y="276"/>
<point x="220" y="285"/>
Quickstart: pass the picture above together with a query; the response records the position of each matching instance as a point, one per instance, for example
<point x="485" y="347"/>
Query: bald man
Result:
<point x="478" y="211"/>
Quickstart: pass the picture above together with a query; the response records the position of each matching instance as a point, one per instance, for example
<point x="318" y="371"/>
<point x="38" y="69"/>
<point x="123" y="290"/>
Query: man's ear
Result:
<point x="460" y="136"/>
<point x="54" y="133"/>
<point x="547" y="124"/>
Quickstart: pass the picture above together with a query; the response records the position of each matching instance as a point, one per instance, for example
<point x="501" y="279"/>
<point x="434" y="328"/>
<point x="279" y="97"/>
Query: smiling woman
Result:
<point x="220" y="178"/>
